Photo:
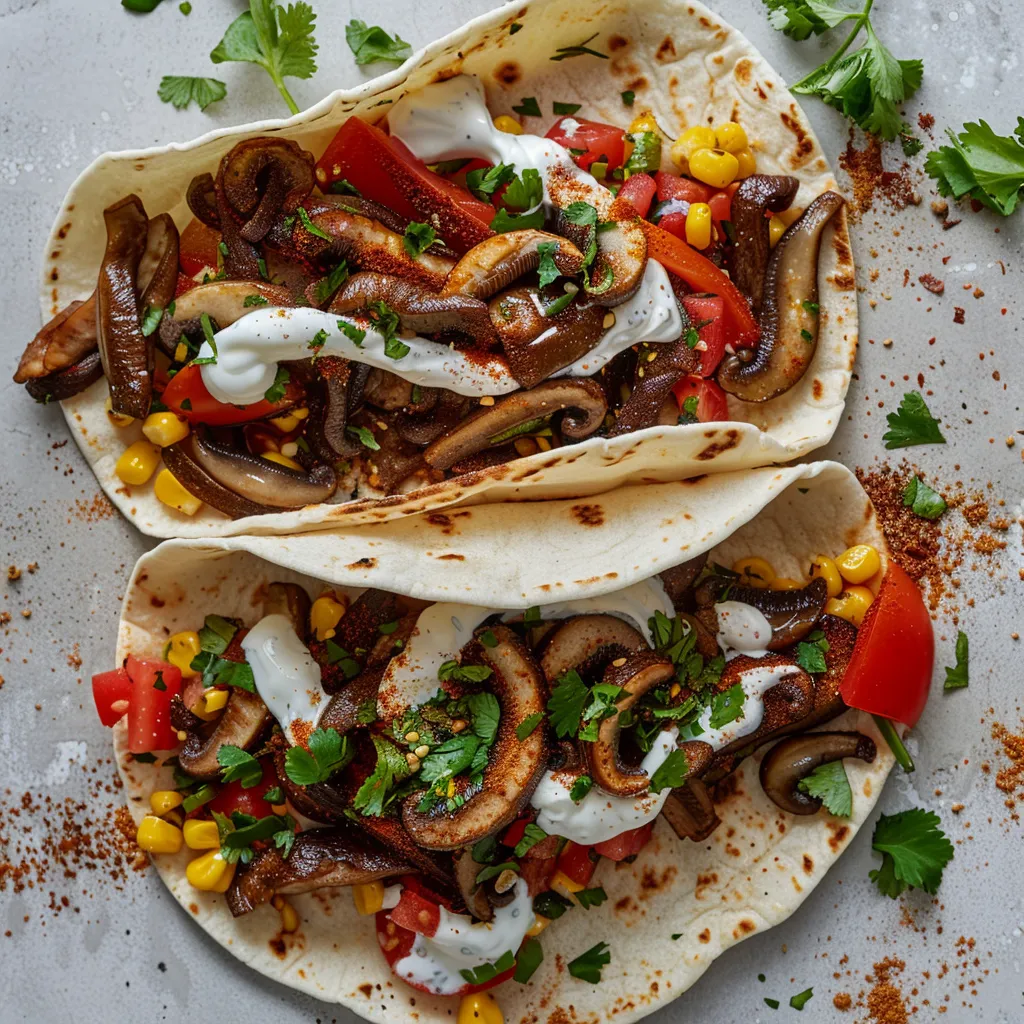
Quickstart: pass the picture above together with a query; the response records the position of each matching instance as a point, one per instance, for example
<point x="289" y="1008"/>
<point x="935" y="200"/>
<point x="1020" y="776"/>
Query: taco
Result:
<point x="562" y="787"/>
<point x="554" y="252"/>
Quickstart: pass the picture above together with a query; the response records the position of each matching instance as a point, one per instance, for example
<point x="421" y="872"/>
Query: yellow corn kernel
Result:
<point x="694" y="139"/>
<point x="561" y="882"/>
<point x="282" y="460"/>
<point x="201" y="835"/>
<point x="679" y="157"/>
<point x="714" y="167"/>
<point x="181" y="649"/>
<point x="325" y="615"/>
<point x="507" y="123"/>
<point x="210" y="872"/>
<point x="859" y="563"/>
<point x="289" y="918"/>
<point x="181" y="352"/>
<point x="698" y="225"/>
<point x="215" y="700"/>
<point x="747" y="161"/>
<point x="170" y="492"/>
<point x="368" y="898"/>
<point x="117" y="418"/>
<point x="164" y="800"/>
<point x="776" y="229"/>
<point x="825" y="567"/>
<point x="539" y="924"/>
<point x="756" y="572"/>
<point x="644" y="122"/>
<point x="479" y="1008"/>
<point x="286" y="423"/>
<point x="525" y="446"/>
<point x="791" y="215"/>
<point x="852" y="604"/>
<point x="158" y="836"/>
<point x="785" y="583"/>
<point x="279" y="809"/>
<point x="137" y="463"/>
<point x="164" y="428"/>
<point x="543" y="443"/>
<point x="731" y="137"/>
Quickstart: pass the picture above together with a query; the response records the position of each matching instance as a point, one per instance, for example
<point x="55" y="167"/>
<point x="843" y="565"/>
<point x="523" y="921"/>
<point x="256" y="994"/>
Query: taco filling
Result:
<point x="435" y="295"/>
<point x="464" y="769"/>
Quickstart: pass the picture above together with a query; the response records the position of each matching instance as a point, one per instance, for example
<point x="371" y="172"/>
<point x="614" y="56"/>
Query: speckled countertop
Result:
<point x="80" y="77"/>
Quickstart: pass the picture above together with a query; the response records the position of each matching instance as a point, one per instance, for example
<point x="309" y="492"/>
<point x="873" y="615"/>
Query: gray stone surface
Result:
<point x="80" y="77"/>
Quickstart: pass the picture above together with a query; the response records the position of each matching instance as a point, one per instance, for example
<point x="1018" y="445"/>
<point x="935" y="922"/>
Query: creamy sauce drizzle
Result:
<point x="286" y="676"/>
<point x="461" y="943"/>
<point x="742" y="629"/>
<point x="443" y="121"/>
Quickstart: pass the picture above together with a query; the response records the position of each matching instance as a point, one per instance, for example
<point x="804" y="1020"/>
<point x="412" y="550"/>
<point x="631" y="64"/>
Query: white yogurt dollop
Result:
<point x="742" y="629"/>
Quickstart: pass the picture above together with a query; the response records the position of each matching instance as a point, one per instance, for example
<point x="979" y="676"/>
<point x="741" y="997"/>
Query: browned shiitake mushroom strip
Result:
<point x="62" y="384"/>
<point x="789" y="319"/>
<point x="474" y="896"/>
<point x="690" y="811"/>
<point x="260" y="179"/>
<point x="419" y="309"/>
<point x="653" y="383"/>
<point x="224" y="301"/>
<point x="239" y="484"/>
<point x="748" y="261"/>
<point x="581" y="638"/>
<point x="243" y="721"/>
<point x="537" y="346"/>
<point x="679" y="580"/>
<point x="499" y="260"/>
<point x="792" y="614"/>
<point x="641" y="673"/>
<point x="618" y="269"/>
<point x="369" y="245"/>
<point x="515" y="766"/>
<point x="582" y="400"/>
<point x="320" y="858"/>
<point x="796" y="757"/>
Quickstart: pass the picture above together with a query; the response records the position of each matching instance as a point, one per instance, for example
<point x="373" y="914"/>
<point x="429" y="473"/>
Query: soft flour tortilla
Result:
<point x="752" y="873"/>
<point x="682" y="62"/>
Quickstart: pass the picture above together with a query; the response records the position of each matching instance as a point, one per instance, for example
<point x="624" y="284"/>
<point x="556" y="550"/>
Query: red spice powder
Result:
<point x="870" y="180"/>
<point x="886" y="1003"/>
<point x="1010" y="779"/>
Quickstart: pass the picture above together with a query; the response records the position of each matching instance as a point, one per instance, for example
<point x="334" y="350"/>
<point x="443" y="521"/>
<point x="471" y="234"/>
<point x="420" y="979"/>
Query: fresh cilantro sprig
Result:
<point x="392" y="768"/>
<point x="671" y="772"/>
<point x="483" y="182"/>
<point x="279" y="39"/>
<point x="370" y="43"/>
<point x="866" y="85"/>
<point x="524" y="192"/>
<point x="418" y="238"/>
<point x="328" y="752"/>
<point x="830" y="784"/>
<point x="914" y="852"/>
<point x="276" y="390"/>
<point x="181" y="90"/>
<point x="912" y="424"/>
<point x="240" y="831"/>
<point x="810" y="653"/>
<point x="957" y="676"/>
<point x="587" y="966"/>
<point x="238" y="765"/>
<point x="982" y="165"/>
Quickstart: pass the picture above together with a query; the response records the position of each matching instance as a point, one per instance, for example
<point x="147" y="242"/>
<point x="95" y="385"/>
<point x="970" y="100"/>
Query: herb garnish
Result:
<point x="546" y="269"/>
<point x="240" y="831"/>
<point x="487" y="972"/>
<point x="580" y="788"/>
<point x="391" y="768"/>
<point x="254" y="300"/>
<point x="829" y="784"/>
<point x="328" y="752"/>
<point x="531" y="956"/>
<point x="328" y="285"/>
<point x="308" y="224"/>
<point x="524" y="192"/>
<point x="214" y="637"/>
<point x="207" y="326"/>
<point x="533" y="835"/>
<point x="956" y="677"/>
<point x="912" y="424"/>
<point x="587" y="966"/>
<point x="810" y="653"/>
<point x="565" y="52"/>
<point x="565" y="108"/>
<point x="371" y="43"/>
<point x="528" y="107"/>
<point x="365" y="437"/>
<point x="914" y="852"/>
<point x="628" y="97"/>
<point x="588" y="898"/>
<point x="418" y="238"/>
<point x="353" y="333"/>
<point x="671" y="772"/>
<point x="922" y="500"/>
<point x="526" y="727"/>
<point x="276" y="390"/>
<point x="237" y="765"/>
<point x="483" y="182"/>
<point x="181" y="90"/>
<point x="801" y="999"/>
<point x="986" y="167"/>
<point x="727" y="706"/>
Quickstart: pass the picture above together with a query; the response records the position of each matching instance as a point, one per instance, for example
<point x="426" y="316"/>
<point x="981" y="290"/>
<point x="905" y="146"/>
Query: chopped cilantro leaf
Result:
<point x="914" y="852"/>
<point x="181" y="90"/>
<point x="912" y="424"/>
<point x="922" y="500"/>
<point x="254" y="300"/>
<point x="391" y="768"/>
<point x="956" y="677"/>
<point x="370" y="43"/>
<point x="565" y="706"/>
<point x="488" y="972"/>
<point x="528" y="107"/>
<point x="829" y="784"/>
<point x="628" y="97"/>
<point x="587" y="966"/>
<point x="365" y="437"/>
<point x="531" y="956"/>
<point x="276" y="390"/>
<point x="588" y="898"/>
<point x="546" y="269"/>
<point x="308" y="224"/>
<point x="418" y="238"/>
<point x="328" y="752"/>
<point x="353" y="333"/>
<point x="565" y="108"/>
<point x="671" y="772"/>
<point x="727" y="706"/>
<point x="580" y="788"/>
<point x="526" y="727"/>
<point x="236" y="764"/>
<point x="531" y="837"/>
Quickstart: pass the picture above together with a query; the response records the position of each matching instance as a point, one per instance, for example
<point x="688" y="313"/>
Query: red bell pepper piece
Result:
<point x="187" y="396"/>
<point x="598" y="141"/>
<point x="576" y="863"/>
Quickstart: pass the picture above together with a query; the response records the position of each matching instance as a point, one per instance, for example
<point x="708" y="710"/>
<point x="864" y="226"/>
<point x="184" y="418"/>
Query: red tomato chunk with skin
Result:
<point x="154" y="683"/>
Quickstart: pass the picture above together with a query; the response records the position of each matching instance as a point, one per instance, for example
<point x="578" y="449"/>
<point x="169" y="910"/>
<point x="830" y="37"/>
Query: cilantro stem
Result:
<point x="891" y="736"/>
<point x="283" y="90"/>
<point x="861" y="20"/>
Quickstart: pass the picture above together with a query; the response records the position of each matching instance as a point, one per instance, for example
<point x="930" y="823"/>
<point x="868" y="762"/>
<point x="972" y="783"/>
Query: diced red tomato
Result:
<point x="575" y="862"/>
<point x="416" y="913"/>
<point x="708" y="307"/>
<point x="674" y="224"/>
<point x="639" y="190"/>
<point x="232" y="797"/>
<point x="108" y="688"/>
<point x="712" y="404"/>
<point x="721" y="208"/>
<point x="396" y="943"/>
<point x="187" y="386"/>
<point x="154" y="683"/>
<point x="703" y="276"/>
<point x="627" y="845"/>
<point x="515" y="832"/>
<point x="890" y="670"/>
<point x="197" y="247"/>
<point x="383" y="169"/>
<point x="599" y="142"/>
<point x="671" y="186"/>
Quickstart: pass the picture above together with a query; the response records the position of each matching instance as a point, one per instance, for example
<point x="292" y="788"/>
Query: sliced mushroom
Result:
<point x="618" y="269"/>
<point x="243" y="721"/>
<point x="536" y="346"/>
<point x="426" y="427"/>
<point x="642" y="672"/>
<point x="789" y="319"/>
<point x="55" y="387"/>
<point x="387" y="390"/>
<point x="359" y="627"/>
<point x="62" y="342"/>
<point x="201" y="196"/>
<point x="290" y="600"/>
<point x="792" y="614"/>
<point x="157" y="278"/>
<point x="501" y="259"/>
<point x="389" y="218"/>
<point x="796" y="757"/>
<point x="515" y="766"/>
<point x="320" y="858"/>
<point x="757" y="196"/>
<point x="690" y="811"/>
<point x="369" y="245"/>
<point x="653" y="383"/>
<point x="583" y="401"/>
<point x="234" y="482"/>
<point x="124" y="351"/>
<point x="679" y="580"/>
<point x="584" y="638"/>
<point x="418" y="308"/>
<point x="475" y="897"/>
<point x="225" y="301"/>
<point x="342" y="710"/>
<point x="263" y="177"/>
